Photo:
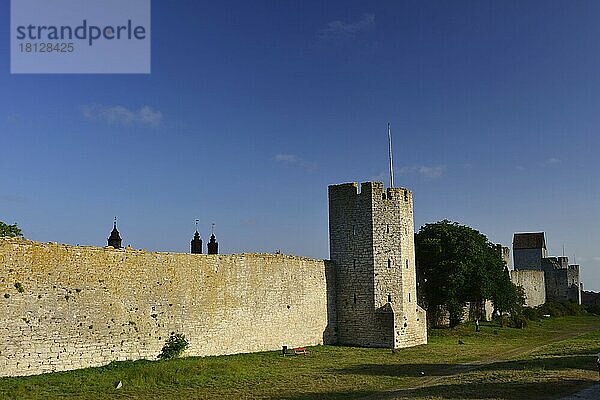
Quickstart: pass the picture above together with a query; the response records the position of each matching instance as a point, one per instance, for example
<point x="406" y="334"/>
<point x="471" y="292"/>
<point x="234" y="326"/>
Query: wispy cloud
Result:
<point x="553" y="160"/>
<point x="120" y="115"/>
<point x="295" y="160"/>
<point x="14" y="118"/>
<point x="12" y="198"/>
<point x="340" y="31"/>
<point x="426" y="171"/>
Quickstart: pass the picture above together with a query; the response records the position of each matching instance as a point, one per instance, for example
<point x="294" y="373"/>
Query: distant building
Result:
<point x="196" y="244"/>
<point x="528" y="250"/>
<point x="213" y="245"/>
<point x="543" y="278"/>
<point x="115" y="239"/>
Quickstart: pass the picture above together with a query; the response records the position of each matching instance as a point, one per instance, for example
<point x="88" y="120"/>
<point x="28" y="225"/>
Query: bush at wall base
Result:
<point x="174" y="346"/>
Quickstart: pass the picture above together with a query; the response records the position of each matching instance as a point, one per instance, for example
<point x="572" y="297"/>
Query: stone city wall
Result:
<point x="533" y="284"/>
<point x="67" y="307"/>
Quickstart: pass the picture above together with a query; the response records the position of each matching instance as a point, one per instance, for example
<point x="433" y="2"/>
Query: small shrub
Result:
<point x="174" y="346"/>
<point x="19" y="287"/>
<point x="6" y="295"/>
<point x="556" y="309"/>
<point x="593" y="309"/>
<point x="532" y="314"/>
<point x="518" y="321"/>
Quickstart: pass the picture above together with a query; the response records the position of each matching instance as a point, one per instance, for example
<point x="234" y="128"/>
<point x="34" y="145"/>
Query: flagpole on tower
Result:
<point x="390" y="156"/>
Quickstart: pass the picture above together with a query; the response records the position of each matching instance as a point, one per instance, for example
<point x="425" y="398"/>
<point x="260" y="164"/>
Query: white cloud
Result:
<point x="290" y="158"/>
<point x="12" y="198"/>
<point x="14" y="118"/>
<point x="339" y="30"/>
<point x="119" y="115"/>
<point x="423" y="170"/>
<point x="553" y="160"/>
<point x="295" y="160"/>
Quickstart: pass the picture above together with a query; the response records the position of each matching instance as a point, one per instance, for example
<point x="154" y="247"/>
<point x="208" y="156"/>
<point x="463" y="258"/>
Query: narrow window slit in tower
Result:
<point x="406" y="195"/>
<point x="409" y="297"/>
<point x="354" y="298"/>
<point x="389" y="263"/>
<point x="387" y="228"/>
<point x="406" y="263"/>
<point x="389" y="298"/>
<point x="354" y="263"/>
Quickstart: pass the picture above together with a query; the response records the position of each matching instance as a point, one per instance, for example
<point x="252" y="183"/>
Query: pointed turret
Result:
<point x="196" y="244"/>
<point x="213" y="245"/>
<point x="115" y="239"/>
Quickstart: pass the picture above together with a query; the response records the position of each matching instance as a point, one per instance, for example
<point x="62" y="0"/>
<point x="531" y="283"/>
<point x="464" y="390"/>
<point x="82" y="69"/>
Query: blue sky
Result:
<point x="254" y="107"/>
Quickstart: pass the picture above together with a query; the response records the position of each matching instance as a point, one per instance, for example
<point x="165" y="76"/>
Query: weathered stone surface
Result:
<point x="69" y="307"/>
<point x="88" y="306"/>
<point x="372" y="248"/>
<point x="533" y="284"/>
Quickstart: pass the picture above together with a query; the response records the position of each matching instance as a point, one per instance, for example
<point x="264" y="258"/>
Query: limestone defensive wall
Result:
<point x="66" y="307"/>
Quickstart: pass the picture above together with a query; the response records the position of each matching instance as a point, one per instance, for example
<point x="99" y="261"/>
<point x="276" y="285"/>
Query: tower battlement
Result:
<point x="370" y="189"/>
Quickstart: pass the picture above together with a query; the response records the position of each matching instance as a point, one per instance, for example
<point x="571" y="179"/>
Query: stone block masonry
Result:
<point x="67" y="307"/>
<point x="371" y="235"/>
<point x="533" y="284"/>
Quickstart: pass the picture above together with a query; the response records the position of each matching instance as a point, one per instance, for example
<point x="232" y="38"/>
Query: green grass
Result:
<point x="547" y="360"/>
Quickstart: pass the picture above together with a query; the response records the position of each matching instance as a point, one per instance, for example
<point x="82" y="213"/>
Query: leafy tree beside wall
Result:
<point x="457" y="264"/>
<point x="10" y="230"/>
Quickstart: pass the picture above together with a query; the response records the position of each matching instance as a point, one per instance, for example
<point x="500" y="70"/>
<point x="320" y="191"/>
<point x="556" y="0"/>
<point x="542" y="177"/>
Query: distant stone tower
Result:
<point x="196" y="244"/>
<point x="115" y="239"/>
<point x="528" y="250"/>
<point x="213" y="245"/>
<point x="371" y="237"/>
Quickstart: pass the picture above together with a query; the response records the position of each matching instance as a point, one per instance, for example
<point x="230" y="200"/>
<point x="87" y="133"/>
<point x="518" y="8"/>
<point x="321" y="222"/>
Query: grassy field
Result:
<point x="547" y="360"/>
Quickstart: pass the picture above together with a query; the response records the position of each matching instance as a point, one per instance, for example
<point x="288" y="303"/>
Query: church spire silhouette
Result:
<point x="115" y="239"/>
<point x="213" y="245"/>
<point x="196" y="242"/>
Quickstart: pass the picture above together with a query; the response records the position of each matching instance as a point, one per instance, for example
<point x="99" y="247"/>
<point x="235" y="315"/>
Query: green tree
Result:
<point x="10" y="230"/>
<point x="457" y="264"/>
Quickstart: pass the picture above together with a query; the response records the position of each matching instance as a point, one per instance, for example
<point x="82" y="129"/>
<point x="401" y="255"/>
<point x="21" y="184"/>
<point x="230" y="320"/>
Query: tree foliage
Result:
<point x="10" y="230"/>
<point x="457" y="264"/>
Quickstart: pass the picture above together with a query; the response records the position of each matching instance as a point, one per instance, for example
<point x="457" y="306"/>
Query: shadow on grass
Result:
<point x="500" y="390"/>
<point x="358" y="394"/>
<point x="494" y="390"/>
<point x="404" y="370"/>
<point x="545" y="363"/>
<point x="440" y="370"/>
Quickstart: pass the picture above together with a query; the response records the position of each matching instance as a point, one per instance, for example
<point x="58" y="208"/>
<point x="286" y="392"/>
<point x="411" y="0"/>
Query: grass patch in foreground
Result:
<point x="546" y="360"/>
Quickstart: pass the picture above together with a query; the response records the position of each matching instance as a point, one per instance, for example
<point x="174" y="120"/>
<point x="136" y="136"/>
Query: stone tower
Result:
<point x="371" y="239"/>
<point x="115" y="239"/>
<point x="196" y="244"/>
<point x="528" y="250"/>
